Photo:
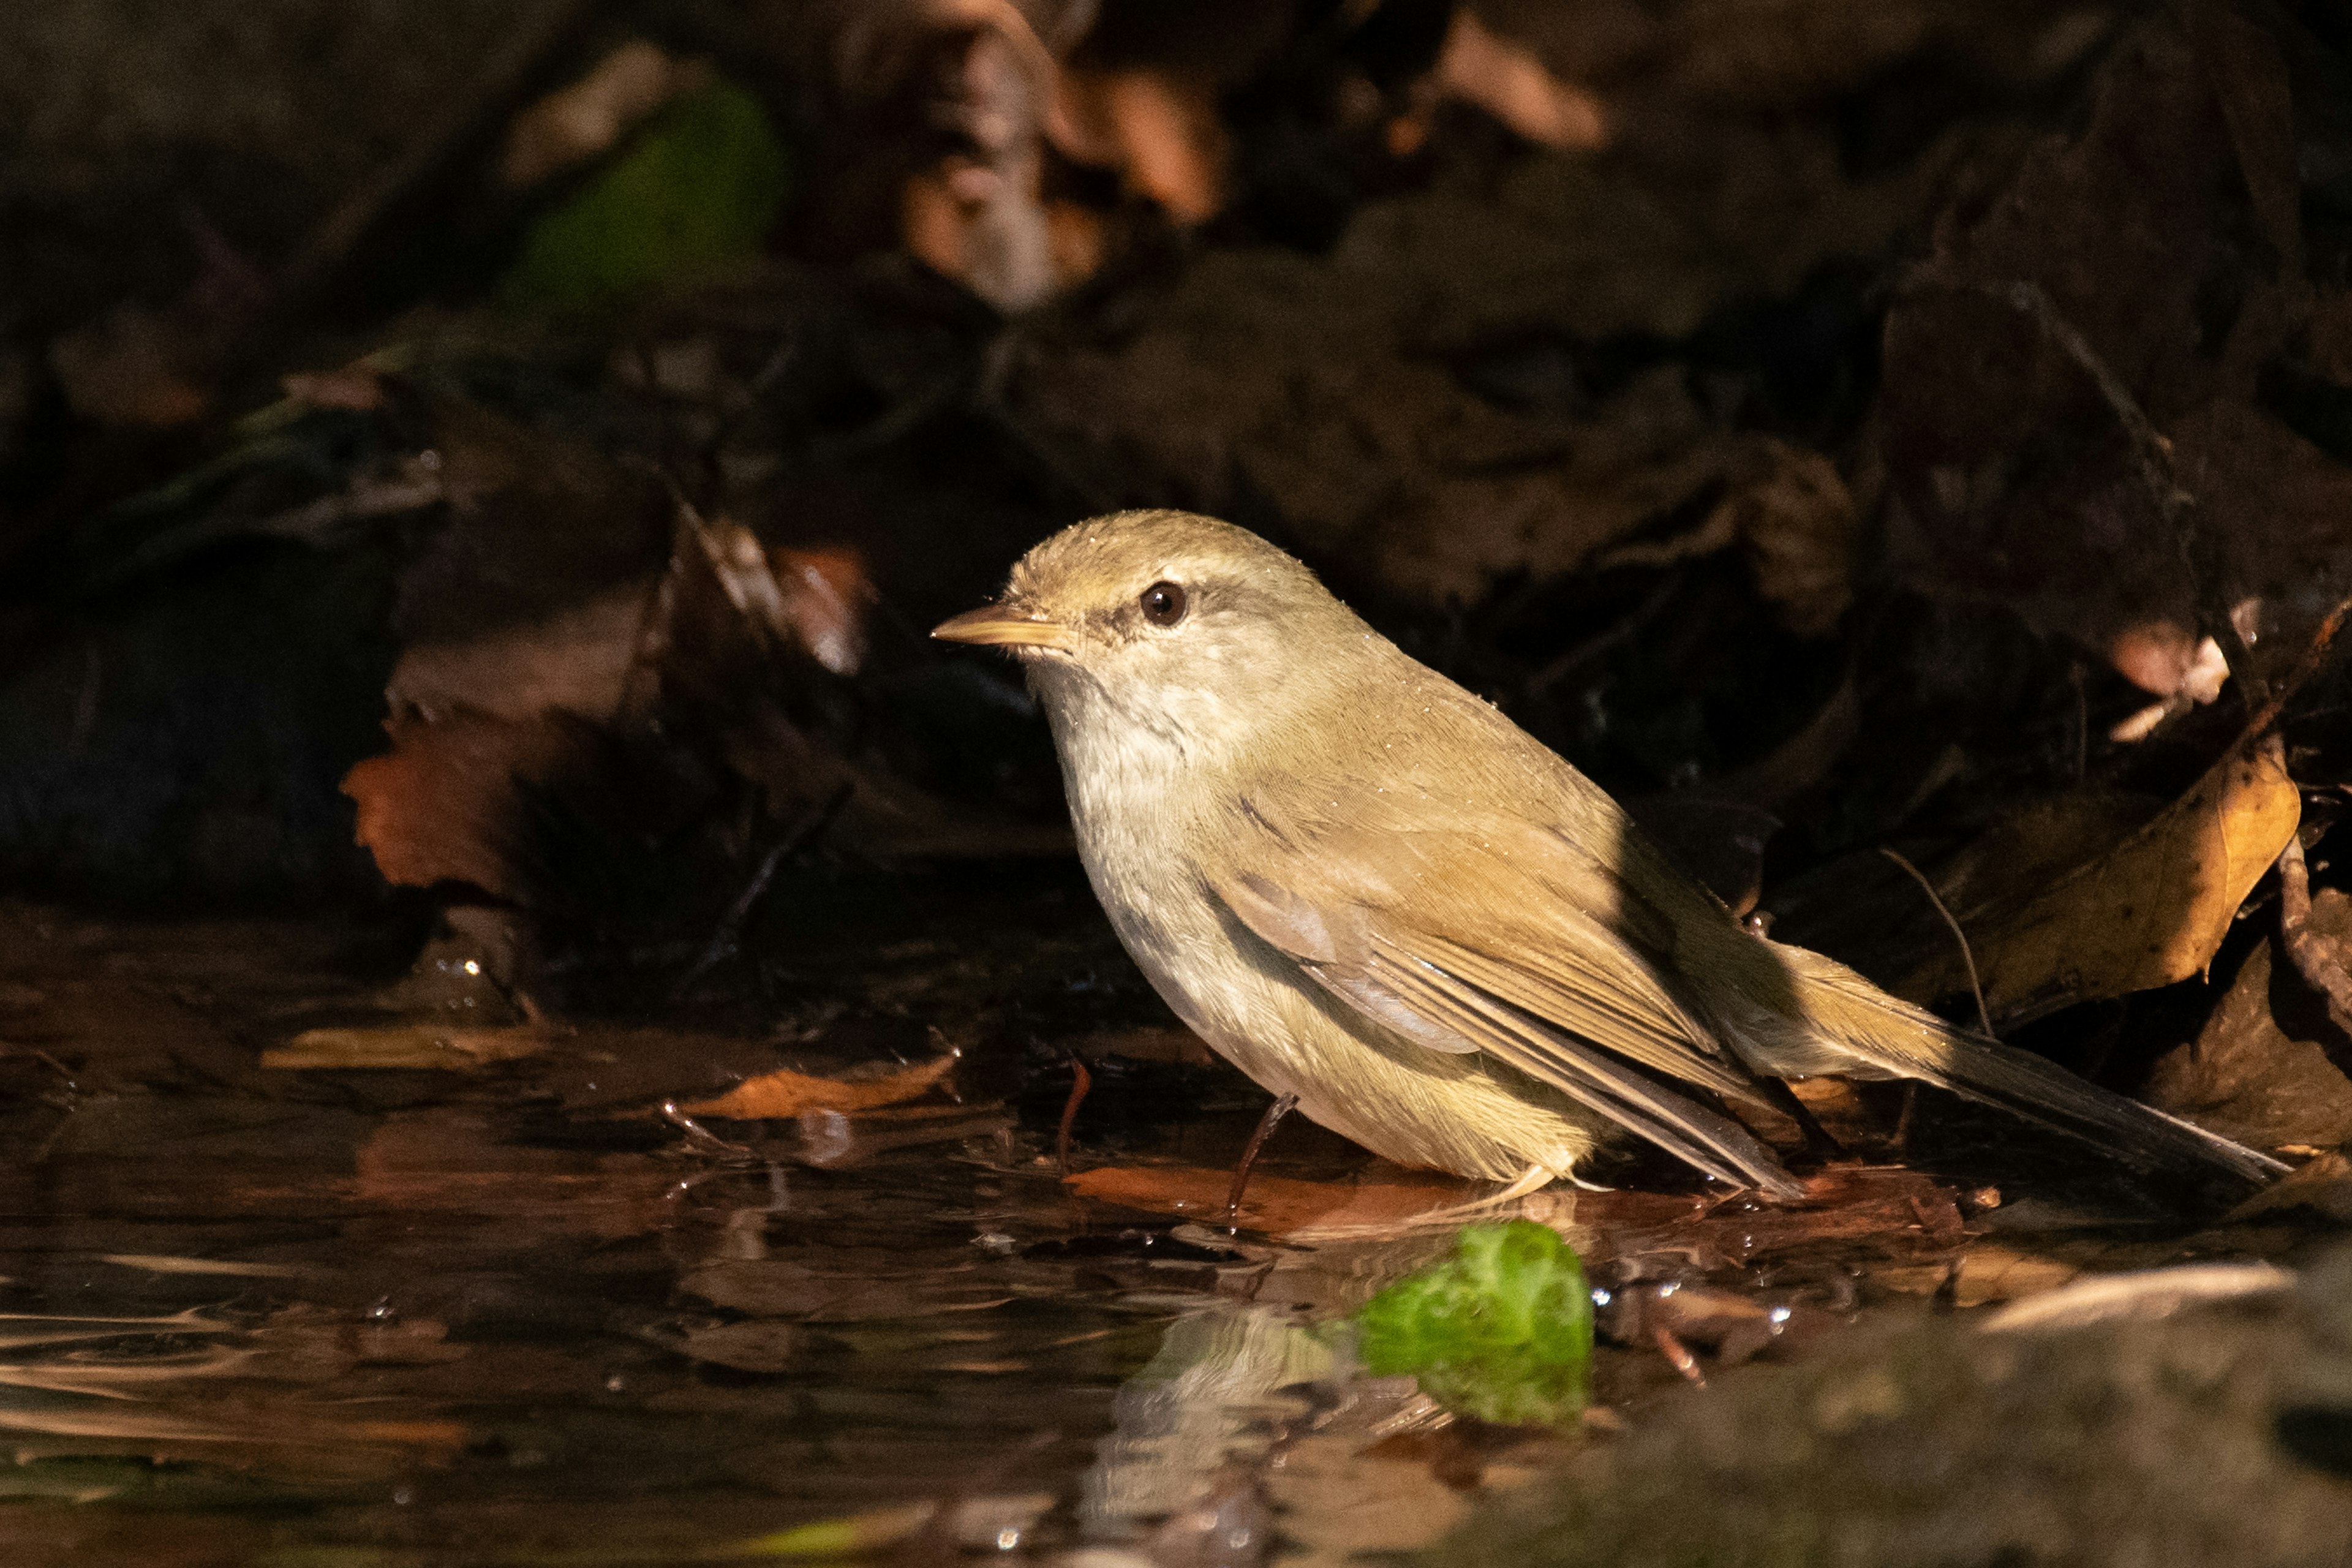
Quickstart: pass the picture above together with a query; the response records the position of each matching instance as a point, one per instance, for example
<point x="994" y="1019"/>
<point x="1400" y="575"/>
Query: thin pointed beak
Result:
<point x="1004" y="626"/>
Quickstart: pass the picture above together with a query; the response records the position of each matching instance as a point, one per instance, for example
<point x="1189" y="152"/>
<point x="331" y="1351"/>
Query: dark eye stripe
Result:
<point x="1163" y="604"/>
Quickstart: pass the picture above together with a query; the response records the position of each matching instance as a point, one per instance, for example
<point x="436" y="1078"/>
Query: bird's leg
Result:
<point x="1533" y="1180"/>
<point x="1081" y="1081"/>
<point x="1819" y="1141"/>
<point x="1282" y="1107"/>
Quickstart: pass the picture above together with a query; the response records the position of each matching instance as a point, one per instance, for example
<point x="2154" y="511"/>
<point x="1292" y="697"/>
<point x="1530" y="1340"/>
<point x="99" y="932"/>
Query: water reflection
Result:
<point x="1225" y="1384"/>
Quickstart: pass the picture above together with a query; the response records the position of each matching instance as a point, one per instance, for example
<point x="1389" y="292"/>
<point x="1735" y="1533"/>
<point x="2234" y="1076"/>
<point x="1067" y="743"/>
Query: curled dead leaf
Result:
<point x="785" y="1093"/>
<point x="1505" y="78"/>
<point x="442" y="804"/>
<point x="1161" y="132"/>
<point x="1790" y="511"/>
<point x="578" y="122"/>
<point x="2149" y="911"/>
<point x="2258" y="1071"/>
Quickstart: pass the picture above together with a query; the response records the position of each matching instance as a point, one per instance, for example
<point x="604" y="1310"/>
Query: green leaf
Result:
<point x="1502" y="1331"/>
<point x="701" y="187"/>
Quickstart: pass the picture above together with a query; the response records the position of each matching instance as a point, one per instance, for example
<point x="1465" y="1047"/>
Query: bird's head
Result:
<point x="1180" y="625"/>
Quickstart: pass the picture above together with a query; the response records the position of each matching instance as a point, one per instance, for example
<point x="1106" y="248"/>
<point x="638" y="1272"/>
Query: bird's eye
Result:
<point x="1163" y="604"/>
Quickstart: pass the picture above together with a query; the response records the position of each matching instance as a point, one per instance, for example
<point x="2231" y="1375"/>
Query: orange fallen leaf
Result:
<point x="1161" y="132"/>
<point x="785" y="1093"/>
<point x="443" y="805"/>
<point x="1274" y="1203"/>
<point x="1505" y="78"/>
<point x="824" y="595"/>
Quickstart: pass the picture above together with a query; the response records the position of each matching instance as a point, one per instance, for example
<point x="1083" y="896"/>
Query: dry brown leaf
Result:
<point x="405" y="1046"/>
<point x="978" y="218"/>
<point x="442" y="804"/>
<point x="1505" y="78"/>
<point x="1798" y="524"/>
<point x="1793" y="514"/>
<point x="824" y="597"/>
<point x="578" y="658"/>
<point x="785" y="1093"/>
<point x="2257" y="1071"/>
<point x="1161" y="132"/>
<point x="578" y="122"/>
<point x="2322" y="1184"/>
<point x="2149" y="911"/>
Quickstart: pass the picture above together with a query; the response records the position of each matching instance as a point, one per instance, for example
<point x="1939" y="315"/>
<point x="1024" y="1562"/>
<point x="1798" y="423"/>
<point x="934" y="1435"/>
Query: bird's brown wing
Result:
<point x="1505" y="940"/>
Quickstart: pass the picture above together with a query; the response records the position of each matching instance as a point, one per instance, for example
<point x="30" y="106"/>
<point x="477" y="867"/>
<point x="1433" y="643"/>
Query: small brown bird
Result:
<point x="1368" y="888"/>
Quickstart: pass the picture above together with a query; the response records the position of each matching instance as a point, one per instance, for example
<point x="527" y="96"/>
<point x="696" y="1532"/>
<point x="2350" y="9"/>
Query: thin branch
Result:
<point x="2316" y="958"/>
<point x="2314" y="658"/>
<point x="1968" y="956"/>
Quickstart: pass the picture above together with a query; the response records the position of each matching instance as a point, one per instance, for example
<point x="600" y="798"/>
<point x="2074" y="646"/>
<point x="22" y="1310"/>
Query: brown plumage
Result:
<point x="1365" y="886"/>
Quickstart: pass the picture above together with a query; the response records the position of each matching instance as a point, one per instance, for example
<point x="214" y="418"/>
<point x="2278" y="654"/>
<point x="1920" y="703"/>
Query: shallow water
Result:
<point x="512" y="1311"/>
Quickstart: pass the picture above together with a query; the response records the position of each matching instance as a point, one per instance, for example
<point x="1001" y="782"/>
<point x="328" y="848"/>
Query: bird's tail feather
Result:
<point x="1858" y="1020"/>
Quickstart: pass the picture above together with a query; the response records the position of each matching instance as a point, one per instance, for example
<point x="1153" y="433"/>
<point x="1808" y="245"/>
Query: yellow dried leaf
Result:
<point x="783" y="1093"/>
<point x="2147" y="912"/>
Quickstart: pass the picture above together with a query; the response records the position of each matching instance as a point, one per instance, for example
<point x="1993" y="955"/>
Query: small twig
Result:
<point x="724" y="941"/>
<point x="1081" y="1083"/>
<point x="1678" y="1355"/>
<point x="1968" y="956"/>
<point x="2315" y="655"/>
<point x="64" y="1072"/>
<point x="2316" y="958"/>
<point x="697" y="1133"/>
<point x="1592" y="647"/>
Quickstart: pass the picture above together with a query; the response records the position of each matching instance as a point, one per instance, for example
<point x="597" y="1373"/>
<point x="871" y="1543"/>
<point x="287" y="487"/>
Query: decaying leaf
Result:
<point x="1507" y="80"/>
<point x="1791" y="512"/>
<point x="1161" y="132"/>
<point x="2149" y="911"/>
<point x="578" y="122"/>
<point x="784" y="1093"/>
<point x="408" y="1046"/>
<point x="978" y="216"/>
<point x="2259" y="1072"/>
<point x="442" y="804"/>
